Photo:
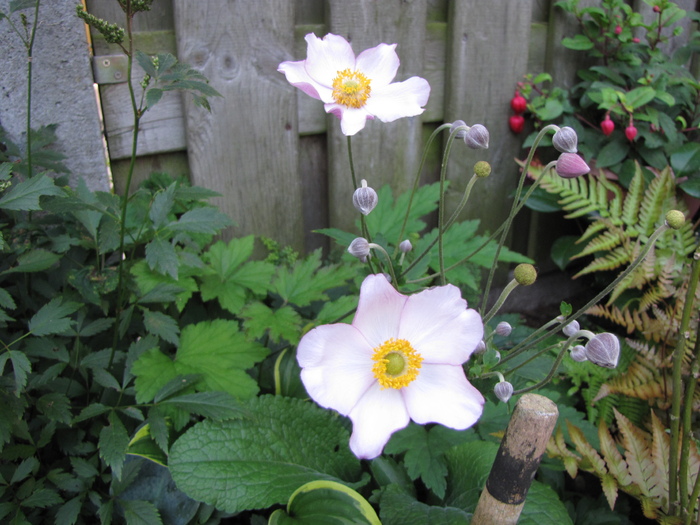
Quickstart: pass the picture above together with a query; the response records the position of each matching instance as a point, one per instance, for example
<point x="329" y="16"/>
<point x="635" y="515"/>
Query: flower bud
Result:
<point x="570" y="165"/>
<point x="359" y="248"/>
<point x="477" y="137"/>
<point x="525" y="274"/>
<point x="571" y="328"/>
<point x="603" y="350"/>
<point x="578" y="354"/>
<point x="503" y="391"/>
<point x="364" y="199"/>
<point x="482" y="169"/>
<point x="516" y="123"/>
<point x="607" y="126"/>
<point x="518" y="103"/>
<point x="630" y="132"/>
<point x="462" y="133"/>
<point x="565" y="140"/>
<point x="480" y="347"/>
<point x="503" y="329"/>
<point x="405" y="246"/>
<point x="675" y="219"/>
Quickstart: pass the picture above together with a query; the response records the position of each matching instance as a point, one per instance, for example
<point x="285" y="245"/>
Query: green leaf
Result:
<point x="138" y="512"/>
<point x="398" y="508"/>
<point x="201" y="220"/>
<point x="52" y="318"/>
<point x="331" y="500"/>
<point x="21" y="367"/>
<point x="215" y="350"/>
<point x="150" y="284"/>
<point x="255" y="463"/>
<point x="162" y="206"/>
<point x="91" y="411"/>
<point x="279" y="323"/>
<point x="578" y="43"/>
<point x="468" y="466"/>
<point x="543" y="507"/>
<point x="146" y="63"/>
<point x="36" y="260"/>
<point x="113" y="443"/>
<point x="6" y="300"/>
<point x="563" y="249"/>
<point x="23" y="470"/>
<point x="310" y="280"/>
<point x="214" y="405"/>
<point x="640" y="96"/>
<point x="25" y="195"/>
<point x="144" y="445"/>
<point x="162" y="325"/>
<point x="69" y="512"/>
<point x="162" y="257"/>
<point x="685" y="161"/>
<point x="42" y="498"/>
<point x="287" y="376"/>
<point x="153" y="96"/>
<point x="612" y="153"/>
<point x="55" y="406"/>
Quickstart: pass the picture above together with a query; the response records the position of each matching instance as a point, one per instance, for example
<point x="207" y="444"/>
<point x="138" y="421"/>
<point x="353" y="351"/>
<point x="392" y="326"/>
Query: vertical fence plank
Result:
<point x="383" y="153"/>
<point x="247" y="147"/>
<point x="487" y="55"/>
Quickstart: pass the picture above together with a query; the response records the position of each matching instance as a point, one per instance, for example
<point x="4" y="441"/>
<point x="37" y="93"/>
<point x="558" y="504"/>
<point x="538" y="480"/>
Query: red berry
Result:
<point x="630" y="132"/>
<point x="618" y="29"/>
<point x="518" y="103"/>
<point x="516" y="123"/>
<point x="607" y="126"/>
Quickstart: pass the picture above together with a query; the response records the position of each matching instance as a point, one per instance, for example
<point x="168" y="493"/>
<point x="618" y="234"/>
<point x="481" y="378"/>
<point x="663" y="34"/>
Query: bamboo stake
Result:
<point x="517" y="460"/>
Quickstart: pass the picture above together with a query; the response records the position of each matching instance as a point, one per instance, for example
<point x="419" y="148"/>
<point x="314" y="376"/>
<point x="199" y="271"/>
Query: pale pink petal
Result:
<point x="377" y="415"/>
<point x="442" y="394"/>
<point x="400" y="99"/>
<point x="351" y="120"/>
<point x="325" y="57"/>
<point x="297" y="76"/>
<point x="379" y="310"/>
<point x="379" y="64"/>
<point x="440" y="327"/>
<point x="336" y="363"/>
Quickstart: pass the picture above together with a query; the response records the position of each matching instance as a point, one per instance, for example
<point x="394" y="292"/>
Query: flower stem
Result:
<point x="550" y="375"/>
<point x="30" y="52"/>
<point x="441" y="207"/>
<point x="512" y="285"/>
<point x="391" y="266"/>
<point x="678" y="355"/>
<point x="352" y="165"/>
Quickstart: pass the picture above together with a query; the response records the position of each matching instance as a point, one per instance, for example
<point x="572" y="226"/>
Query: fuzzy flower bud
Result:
<point x="364" y="199"/>
<point x="571" y="328"/>
<point x="359" y="248"/>
<point x="675" y="219"/>
<point x="578" y="354"/>
<point x="503" y="329"/>
<point x="565" y="140"/>
<point x="405" y="246"/>
<point x="570" y="165"/>
<point x="482" y="169"/>
<point x="462" y="133"/>
<point x="603" y="350"/>
<point x="477" y="137"/>
<point x="503" y="391"/>
<point x="525" y="274"/>
<point x="480" y="347"/>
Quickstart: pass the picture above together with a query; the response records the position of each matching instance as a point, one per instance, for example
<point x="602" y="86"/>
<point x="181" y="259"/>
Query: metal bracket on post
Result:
<point x="110" y="69"/>
<point x="517" y="460"/>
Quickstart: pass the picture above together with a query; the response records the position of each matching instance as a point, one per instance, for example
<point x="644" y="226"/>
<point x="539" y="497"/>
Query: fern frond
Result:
<point x="660" y="446"/>
<point x="652" y="205"/>
<point x="641" y="381"/>
<point x="604" y="242"/>
<point x="635" y="192"/>
<point x="638" y="456"/>
<point x="593" y="228"/>
<point x="583" y="447"/>
<point x="619" y="257"/>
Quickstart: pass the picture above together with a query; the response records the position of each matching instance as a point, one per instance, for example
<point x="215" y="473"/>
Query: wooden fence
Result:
<point x="278" y="160"/>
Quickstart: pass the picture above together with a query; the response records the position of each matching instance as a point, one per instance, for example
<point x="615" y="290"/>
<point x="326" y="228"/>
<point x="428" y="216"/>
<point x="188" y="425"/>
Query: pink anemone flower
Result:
<point x="356" y="88"/>
<point x="400" y="360"/>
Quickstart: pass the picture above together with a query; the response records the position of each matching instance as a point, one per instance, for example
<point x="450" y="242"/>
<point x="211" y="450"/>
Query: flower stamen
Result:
<point x="396" y="363"/>
<point x="351" y="88"/>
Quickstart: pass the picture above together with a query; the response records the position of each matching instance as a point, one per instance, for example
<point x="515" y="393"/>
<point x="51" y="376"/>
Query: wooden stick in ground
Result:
<point x="517" y="460"/>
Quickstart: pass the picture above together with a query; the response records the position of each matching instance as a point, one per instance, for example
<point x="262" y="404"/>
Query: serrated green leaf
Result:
<point x="42" y="498"/>
<point x="6" y="300"/>
<point x="25" y="195"/>
<point x="330" y="499"/>
<point x="162" y="257"/>
<point x="52" y="318"/>
<point x="55" y="406"/>
<point x="214" y="405"/>
<point x="70" y="511"/>
<point x="23" y="470"/>
<point x="151" y="283"/>
<point x="153" y="96"/>
<point x="278" y="323"/>
<point x="146" y="63"/>
<point x="215" y="350"/>
<point x="162" y="325"/>
<point x="105" y="379"/>
<point x="255" y="463"/>
<point x="138" y="512"/>
<point x="398" y="508"/>
<point x="201" y="220"/>
<point x="21" y="367"/>
<point x="91" y="411"/>
<point x="144" y="445"/>
<point x="177" y="385"/>
<point x="83" y="468"/>
<point x="113" y="443"/>
<point x="543" y="507"/>
<point x="36" y="260"/>
<point x="468" y="468"/>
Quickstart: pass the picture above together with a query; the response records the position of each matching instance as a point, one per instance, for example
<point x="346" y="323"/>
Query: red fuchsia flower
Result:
<point x="618" y="29"/>
<point x="570" y="165"/>
<point x="400" y="360"/>
<point x="630" y="132"/>
<point x="355" y="89"/>
<point x="518" y="103"/>
<point x="516" y="123"/>
<point x="635" y="40"/>
<point x="607" y="126"/>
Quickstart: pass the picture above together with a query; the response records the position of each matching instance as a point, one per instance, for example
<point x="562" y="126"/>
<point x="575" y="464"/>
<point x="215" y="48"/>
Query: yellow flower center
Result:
<point x="351" y="88"/>
<point x="396" y="363"/>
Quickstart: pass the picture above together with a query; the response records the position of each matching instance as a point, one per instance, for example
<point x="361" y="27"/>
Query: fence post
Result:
<point x="517" y="460"/>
